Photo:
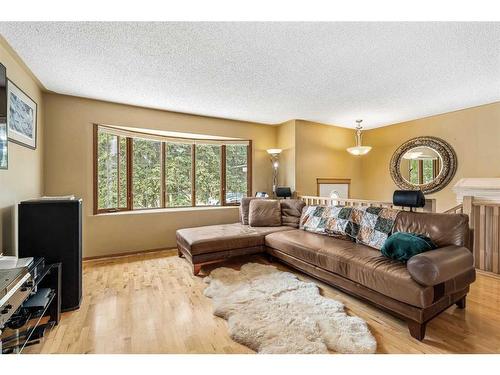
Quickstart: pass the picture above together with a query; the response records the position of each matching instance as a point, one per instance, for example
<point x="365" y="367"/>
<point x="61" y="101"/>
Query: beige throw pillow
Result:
<point x="264" y="213"/>
<point x="291" y="209"/>
<point x="244" y="207"/>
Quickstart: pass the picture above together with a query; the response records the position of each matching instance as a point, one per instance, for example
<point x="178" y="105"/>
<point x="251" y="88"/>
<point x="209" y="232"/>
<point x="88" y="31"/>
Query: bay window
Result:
<point x="135" y="170"/>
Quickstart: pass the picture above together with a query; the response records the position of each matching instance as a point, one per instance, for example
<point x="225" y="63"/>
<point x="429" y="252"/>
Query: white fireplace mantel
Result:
<point x="482" y="189"/>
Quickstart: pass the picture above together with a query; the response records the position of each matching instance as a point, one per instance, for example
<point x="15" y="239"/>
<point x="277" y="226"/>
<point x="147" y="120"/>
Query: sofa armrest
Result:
<point x="436" y="266"/>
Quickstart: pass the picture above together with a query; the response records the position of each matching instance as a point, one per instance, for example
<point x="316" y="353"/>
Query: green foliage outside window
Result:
<point x="112" y="176"/>
<point x="146" y="173"/>
<point x="236" y="173"/>
<point x="107" y="171"/>
<point x="178" y="167"/>
<point x="414" y="171"/>
<point x="427" y="166"/>
<point x="208" y="175"/>
<point x="122" y="199"/>
<point x="428" y="170"/>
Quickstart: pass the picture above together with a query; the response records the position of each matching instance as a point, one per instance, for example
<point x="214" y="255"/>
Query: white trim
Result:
<point x="168" y="136"/>
<point x="482" y="189"/>
<point x="164" y="210"/>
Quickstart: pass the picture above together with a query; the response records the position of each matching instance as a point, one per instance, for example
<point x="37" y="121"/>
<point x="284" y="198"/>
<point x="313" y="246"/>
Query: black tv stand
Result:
<point x="40" y="311"/>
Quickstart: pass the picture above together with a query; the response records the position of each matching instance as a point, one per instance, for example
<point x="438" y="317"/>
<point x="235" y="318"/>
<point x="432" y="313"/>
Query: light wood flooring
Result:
<point x="151" y="303"/>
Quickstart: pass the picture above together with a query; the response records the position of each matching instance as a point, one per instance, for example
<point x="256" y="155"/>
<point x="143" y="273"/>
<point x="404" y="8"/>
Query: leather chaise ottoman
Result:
<point x="214" y="243"/>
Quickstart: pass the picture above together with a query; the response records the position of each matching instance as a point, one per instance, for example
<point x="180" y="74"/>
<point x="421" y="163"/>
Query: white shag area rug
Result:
<point x="271" y="311"/>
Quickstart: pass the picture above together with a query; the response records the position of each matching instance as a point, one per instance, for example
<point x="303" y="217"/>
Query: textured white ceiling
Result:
<point x="332" y="73"/>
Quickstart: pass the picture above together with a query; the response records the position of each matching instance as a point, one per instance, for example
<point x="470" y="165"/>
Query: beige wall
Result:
<point x="24" y="178"/>
<point x="68" y="169"/>
<point x="474" y="133"/>
<point x="321" y="153"/>
<point x="312" y="150"/>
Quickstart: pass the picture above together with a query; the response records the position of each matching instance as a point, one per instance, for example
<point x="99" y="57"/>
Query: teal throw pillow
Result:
<point x="402" y="246"/>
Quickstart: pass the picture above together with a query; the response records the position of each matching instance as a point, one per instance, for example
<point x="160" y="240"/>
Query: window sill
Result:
<point x="164" y="210"/>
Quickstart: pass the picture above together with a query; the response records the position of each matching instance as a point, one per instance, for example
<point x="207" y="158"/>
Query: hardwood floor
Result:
<point x="151" y="303"/>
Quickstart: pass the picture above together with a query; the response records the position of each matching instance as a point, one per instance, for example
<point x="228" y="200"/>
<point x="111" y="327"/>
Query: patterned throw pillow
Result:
<point x="371" y="226"/>
<point x="367" y="225"/>
<point x="330" y="220"/>
<point x="311" y="219"/>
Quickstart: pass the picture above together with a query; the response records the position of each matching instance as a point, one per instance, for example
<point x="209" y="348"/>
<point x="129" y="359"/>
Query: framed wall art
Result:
<point x="21" y="116"/>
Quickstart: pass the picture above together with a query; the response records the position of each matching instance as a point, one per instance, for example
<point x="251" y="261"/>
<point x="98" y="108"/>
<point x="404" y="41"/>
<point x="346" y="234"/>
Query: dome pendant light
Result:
<point x="359" y="149"/>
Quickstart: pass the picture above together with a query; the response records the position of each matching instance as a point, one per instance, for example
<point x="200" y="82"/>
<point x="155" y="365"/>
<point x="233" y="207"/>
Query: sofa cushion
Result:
<point x="244" y="207"/>
<point x="356" y="262"/>
<point x="291" y="210"/>
<point x="264" y="213"/>
<point x="443" y="229"/>
<point x="213" y="238"/>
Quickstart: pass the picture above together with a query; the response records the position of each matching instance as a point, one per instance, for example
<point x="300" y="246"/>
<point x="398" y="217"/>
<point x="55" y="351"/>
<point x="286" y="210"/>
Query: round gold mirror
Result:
<point x="423" y="163"/>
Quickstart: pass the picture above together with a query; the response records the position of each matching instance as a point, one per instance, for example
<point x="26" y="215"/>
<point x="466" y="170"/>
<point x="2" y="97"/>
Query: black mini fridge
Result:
<point x="53" y="229"/>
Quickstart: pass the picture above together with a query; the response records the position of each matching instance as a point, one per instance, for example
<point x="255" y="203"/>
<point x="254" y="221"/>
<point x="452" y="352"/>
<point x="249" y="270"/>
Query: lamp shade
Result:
<point x="359" y="150"/>
<point x="274" y="151"/>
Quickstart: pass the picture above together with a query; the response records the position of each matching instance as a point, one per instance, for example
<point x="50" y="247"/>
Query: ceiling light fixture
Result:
<point x="359" y="149"/>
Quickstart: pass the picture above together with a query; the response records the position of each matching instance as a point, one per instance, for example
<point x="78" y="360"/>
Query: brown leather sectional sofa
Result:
<point x="417" y="291"/>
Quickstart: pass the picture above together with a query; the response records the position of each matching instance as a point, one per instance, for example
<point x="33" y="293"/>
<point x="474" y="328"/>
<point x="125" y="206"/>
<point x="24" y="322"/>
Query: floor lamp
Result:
<point x="274" y="153"/>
